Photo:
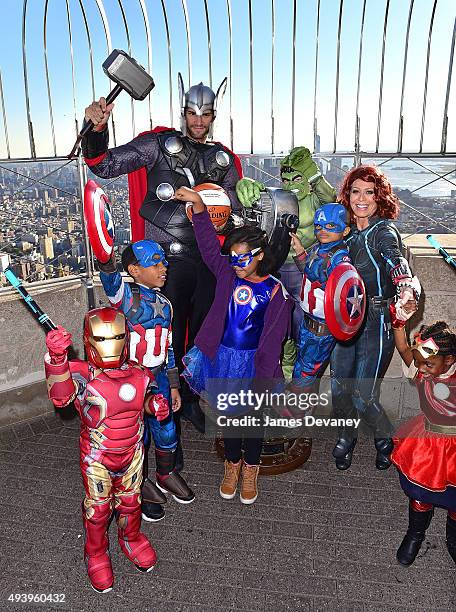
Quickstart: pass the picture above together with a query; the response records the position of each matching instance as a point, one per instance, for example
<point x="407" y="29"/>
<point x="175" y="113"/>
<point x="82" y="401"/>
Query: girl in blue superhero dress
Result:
<point x="242" y="335"/>
<point x="425" y="447"/>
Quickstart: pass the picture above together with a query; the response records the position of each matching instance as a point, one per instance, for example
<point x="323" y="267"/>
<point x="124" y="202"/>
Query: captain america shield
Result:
<point x="344" y="301"/>
<point x="99" y="221"/>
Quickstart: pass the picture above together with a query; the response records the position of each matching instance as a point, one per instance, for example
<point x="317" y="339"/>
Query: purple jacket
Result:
<point x="278" y="312"/>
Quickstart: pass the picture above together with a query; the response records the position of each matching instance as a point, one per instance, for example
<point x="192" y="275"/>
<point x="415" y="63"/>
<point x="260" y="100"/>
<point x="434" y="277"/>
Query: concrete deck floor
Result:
<point x="316" y="539"/>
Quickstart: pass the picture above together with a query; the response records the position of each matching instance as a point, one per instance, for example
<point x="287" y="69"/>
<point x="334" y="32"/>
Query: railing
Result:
<point x="348" y="76"/>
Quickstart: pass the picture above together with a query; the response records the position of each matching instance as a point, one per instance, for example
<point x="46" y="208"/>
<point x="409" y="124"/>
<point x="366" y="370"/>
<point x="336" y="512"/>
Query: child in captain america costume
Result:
<point x="149" y="316"/>
<point x="315" y="342"/>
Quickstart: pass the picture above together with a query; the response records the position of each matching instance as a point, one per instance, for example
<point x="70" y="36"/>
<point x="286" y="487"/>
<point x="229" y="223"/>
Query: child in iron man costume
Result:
<point x="111" y="395"/>
<point x="425" y="447"/>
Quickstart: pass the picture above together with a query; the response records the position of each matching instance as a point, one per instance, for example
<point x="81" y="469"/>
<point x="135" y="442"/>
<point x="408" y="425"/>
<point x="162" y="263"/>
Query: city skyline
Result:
<point x="41" y="225"/>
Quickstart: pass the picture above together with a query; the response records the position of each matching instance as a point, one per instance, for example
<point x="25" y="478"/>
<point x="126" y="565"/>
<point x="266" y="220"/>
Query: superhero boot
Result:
<point x="152" y="498"/>
<point x="345" y="445"/>
<point x="133" y="543"/>
<point x="377" y="419"/>
<point x="170" y="481"/>
<point x="451" y="534"/>
<point x="420" y="516"/>
<point x="95" y="518"/>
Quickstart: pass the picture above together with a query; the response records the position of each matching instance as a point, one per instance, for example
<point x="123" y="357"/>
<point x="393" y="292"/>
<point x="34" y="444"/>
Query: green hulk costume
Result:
<point x="301" y="174"/>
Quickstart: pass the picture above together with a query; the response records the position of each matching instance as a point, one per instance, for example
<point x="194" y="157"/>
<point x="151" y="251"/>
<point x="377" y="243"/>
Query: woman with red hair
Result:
<point x="357" y="367"/>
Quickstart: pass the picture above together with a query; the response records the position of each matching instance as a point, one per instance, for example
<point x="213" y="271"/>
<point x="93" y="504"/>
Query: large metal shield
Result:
<point x="344" y="301"/>
<point x="99" y="221"/>
<point x="276" y="213"/>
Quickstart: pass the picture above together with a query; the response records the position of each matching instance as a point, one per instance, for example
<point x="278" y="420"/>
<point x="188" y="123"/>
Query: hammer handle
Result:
<point x="89" y="125"/>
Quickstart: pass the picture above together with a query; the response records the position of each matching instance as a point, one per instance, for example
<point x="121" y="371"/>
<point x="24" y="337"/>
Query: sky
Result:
<point x="267" y="100"/>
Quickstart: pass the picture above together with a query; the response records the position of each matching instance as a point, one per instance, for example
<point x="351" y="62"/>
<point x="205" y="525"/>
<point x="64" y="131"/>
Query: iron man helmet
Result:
<point x="106" y="337"/>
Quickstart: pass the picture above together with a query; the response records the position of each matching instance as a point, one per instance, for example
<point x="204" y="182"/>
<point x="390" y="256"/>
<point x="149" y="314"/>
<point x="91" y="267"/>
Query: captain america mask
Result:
<point x="243" y="259"/>
<point x="149" y="253"/>
<point x="331" y="218"/>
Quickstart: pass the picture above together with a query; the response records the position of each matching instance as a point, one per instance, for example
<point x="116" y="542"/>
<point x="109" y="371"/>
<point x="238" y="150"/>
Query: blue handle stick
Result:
<point x="36" y="311"/>
<point x="446" y="256"/>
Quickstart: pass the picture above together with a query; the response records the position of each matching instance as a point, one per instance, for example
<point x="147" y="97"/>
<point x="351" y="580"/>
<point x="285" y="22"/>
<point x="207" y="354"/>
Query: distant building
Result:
<point x="25" y="246"/>
<point x="4" y="261"/>
<point x="47" y="247"/>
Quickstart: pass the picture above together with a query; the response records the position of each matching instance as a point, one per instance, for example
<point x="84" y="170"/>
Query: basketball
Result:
<point x="217" y="203"/>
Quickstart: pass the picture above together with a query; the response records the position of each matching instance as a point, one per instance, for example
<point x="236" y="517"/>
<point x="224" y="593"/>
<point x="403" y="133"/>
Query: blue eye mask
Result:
<point x="244" y="259"/>
<point x="149" y="253"/>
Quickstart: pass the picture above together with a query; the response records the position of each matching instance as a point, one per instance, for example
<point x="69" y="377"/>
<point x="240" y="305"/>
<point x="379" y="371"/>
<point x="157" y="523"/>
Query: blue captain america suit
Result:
<point x="245" y="317"/>
<point x="315" y="342"/>
<point x="150" y="344"/>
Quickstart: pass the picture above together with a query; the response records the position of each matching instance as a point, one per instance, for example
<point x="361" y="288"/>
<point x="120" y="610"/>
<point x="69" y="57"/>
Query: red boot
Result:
<point x="133" y="543"/>
<point x="96" y="554"/>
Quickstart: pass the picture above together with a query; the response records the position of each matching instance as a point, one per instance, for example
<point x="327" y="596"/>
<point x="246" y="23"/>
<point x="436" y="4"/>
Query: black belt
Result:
<point x="316" y="327"/>
<point x="178" y="249"/>
<point x="378" y="301"/>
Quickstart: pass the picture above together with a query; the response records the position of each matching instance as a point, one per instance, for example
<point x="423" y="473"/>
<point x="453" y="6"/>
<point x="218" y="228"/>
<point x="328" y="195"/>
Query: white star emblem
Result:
<point x="243" y="295"/>
<point x="356" y="302"/>
<point x="159" y="308"/>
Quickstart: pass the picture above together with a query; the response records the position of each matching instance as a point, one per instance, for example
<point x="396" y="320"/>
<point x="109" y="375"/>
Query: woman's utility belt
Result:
<point x="378" y="301"/>
<point x="316" y="327"/>
<point x="448" y="430"/>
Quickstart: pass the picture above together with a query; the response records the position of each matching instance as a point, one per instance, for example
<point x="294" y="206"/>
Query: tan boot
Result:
<point x="249" y="489"/>
<point x="230" y="479"/>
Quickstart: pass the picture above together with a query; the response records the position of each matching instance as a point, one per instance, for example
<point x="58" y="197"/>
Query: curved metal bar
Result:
<point x="317" y="34"/>
<point x="428" y="55"/>
<point x="5" y="125"/>
<point x="24" y="66"/>
<point x="404" y="74"/>
<point x="358" y="89"/>
<point x="272" y="73"/>
<point x="89" y="42"/>
<point x="127" y="33"/>
<point x="107" y="32"/>
<point x="251" y="75"/>
<point x="336" y="99"/>
<point x="170" y="74"/>
<point x="230" y="71"/>
<point x="73" y="82"/>
<point x="46" y="72"/>
<point x="380" y="93"/>
<point x="293" y="77"/>
<point x="149" y="53"/>
<point x="189" y="41"/>
<point x="104" y="19"/>
<point x="209" y="48"/>
<point x="447" y="95"/>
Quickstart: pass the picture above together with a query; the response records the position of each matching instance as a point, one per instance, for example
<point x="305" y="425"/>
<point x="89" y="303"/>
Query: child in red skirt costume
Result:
<point x="425" y="447"/>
